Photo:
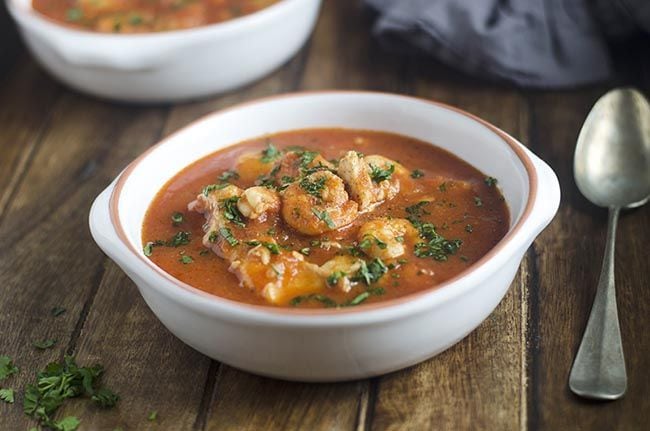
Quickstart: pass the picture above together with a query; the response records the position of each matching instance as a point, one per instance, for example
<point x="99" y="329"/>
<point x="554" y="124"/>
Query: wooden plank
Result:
<point x="480" y="383"/>
<point x="47" y="257"/>
<point x="569" y="258"/>
<point x="23" y="121"/>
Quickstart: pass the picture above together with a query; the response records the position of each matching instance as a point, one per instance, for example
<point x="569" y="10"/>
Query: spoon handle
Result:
<point x="599" y="368"/>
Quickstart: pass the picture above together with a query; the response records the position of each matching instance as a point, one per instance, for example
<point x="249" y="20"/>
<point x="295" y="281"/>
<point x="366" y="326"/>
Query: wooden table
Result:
<point x="59" y="149"/>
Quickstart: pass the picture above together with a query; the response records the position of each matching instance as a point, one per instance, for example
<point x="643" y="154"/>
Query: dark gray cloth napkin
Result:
<point x="531" y="43"/>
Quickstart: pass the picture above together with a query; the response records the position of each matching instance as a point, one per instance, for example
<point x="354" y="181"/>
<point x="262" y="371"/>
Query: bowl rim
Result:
<point x="214" y="29"/>
<point x="524" y="158"/>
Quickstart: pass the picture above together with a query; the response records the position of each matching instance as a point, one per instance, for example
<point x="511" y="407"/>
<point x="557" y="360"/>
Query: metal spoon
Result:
<point x="612" y="169"/>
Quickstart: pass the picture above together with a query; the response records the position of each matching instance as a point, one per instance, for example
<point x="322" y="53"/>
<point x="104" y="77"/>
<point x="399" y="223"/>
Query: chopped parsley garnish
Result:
<point x="181" y="238"/>
<point x="415" y="212"/>
<point x="105" y="398"/>
<point x="148" y="249"/>
<point x="469" y="228"/>
<point x="153" y="415"/>
<point x="57" y="311"/>
<point x="231" y="212"/>
<point x="417" y="174"/>
<point x="399" y="239"/>
<point x="366" y="242"/>
<point x="7" y="395"/>
<point x="325" y="300"/>
<point x="378" y="174"/>
<point x="442" y="187"/>
<point x="305" y="251"/>
<point x="464" y="258"/>
<point x="490" y="181"/>
<point x="434" y="244"/>
<point x="226" y="233"/>
<point x="324" y="217"/>
<point x="368" y="239"/>
<point x="270" y="246"/>
<point x="268" y="180"/>
<point x="333" y="278"/>
<point x="371" y="272"/>
<point x="478" y="201"/>
<point x="135" y="19"/>
<point x="270" y="154"/>
<point x="402" y="261"/>
<point x="212" y="187"/>
<point x="7" y="367"/>
<point x="44" y="344"/>
<point x="226" y="176"/>
<point x="74" y="14"/>
<point x="204" y="252"/>
<point x="177" y="218"/>
<point x="214" y="236"/>
<point x="314" y="187"/>
<point x="306" y="157"/>
<point x="58" y="382"/>
<point x="185" y="259"/>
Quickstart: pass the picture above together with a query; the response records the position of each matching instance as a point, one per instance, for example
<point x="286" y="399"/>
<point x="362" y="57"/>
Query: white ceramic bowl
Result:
<point x="168" y="66"/>
<point x="325" y="345"/>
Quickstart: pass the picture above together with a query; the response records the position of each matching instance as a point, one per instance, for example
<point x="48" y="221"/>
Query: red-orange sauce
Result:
<point x="468" y="206"/>
<point x="139" y="16"/>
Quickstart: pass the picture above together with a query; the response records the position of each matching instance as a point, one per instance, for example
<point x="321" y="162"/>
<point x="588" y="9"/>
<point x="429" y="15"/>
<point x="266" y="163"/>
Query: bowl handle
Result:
<point x="101" y="226"/>
<point x="547" y="200"/>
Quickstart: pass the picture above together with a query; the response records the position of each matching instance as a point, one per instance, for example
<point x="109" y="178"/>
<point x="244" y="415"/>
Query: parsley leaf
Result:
<point x="478" y="201"/>
<point x="105" y="398"/>
<point x="69" y="423"/>
<point x="333" y="278"/>
<point x="270" y="246"/>
<point x="226" y="176"/>
<point x="7" y="395"/>
<point x="226" y="233"/>
<point x="45" y="344"/>
<point x="417" y="174"/>
<point x="58" y="382"/>
<point x="186" y="260"/>
<point x="181" y="238"/>
<point x="153" y="415"/>
<point x="231" y="212"/>
<point x="371" y="272"/>
<point x="270" y="154"/>
<point x="378" y="174"/>
<point x="177" y="218"/>
<point x="57" y="311"/>
<point x="7" y="367"/>
<point x="212" y="187"/>
<point x="314" y="187"/>
<point x="490" y="181"/>
<point x="324" y="217"/>
<point x="325" y="300"/>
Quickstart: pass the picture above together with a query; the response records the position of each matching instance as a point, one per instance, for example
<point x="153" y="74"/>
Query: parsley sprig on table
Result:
<point x="60" y="381"/>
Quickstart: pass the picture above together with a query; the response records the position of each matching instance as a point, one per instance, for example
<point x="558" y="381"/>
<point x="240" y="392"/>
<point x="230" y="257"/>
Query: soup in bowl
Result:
<point x="326" y="236"/>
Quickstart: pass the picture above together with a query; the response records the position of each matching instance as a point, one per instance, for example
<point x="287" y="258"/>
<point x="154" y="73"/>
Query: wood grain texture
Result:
<point x="60" y="149"/>
<point x="47" y="257"/>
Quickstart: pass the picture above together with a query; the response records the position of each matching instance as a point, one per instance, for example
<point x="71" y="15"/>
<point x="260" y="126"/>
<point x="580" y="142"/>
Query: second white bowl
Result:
<point x="168" y="66"/>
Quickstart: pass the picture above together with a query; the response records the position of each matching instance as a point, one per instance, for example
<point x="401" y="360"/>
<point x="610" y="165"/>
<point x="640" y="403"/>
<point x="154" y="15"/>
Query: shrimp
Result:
<point x="386" y="238"/>
<point x="371" y="179"/>
<point x="318" y="203"/>
<point x="212" y="204"/>
<point x="256" y="202"/>
<point x="294" y="163"/>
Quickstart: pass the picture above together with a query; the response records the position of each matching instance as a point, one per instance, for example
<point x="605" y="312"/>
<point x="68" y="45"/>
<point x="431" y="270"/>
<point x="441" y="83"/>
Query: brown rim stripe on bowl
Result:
<point x="523" y="157"/>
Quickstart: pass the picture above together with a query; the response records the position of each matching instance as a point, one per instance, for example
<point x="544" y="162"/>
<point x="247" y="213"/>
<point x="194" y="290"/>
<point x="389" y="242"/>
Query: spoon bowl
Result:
<point x="612" y="157"/>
